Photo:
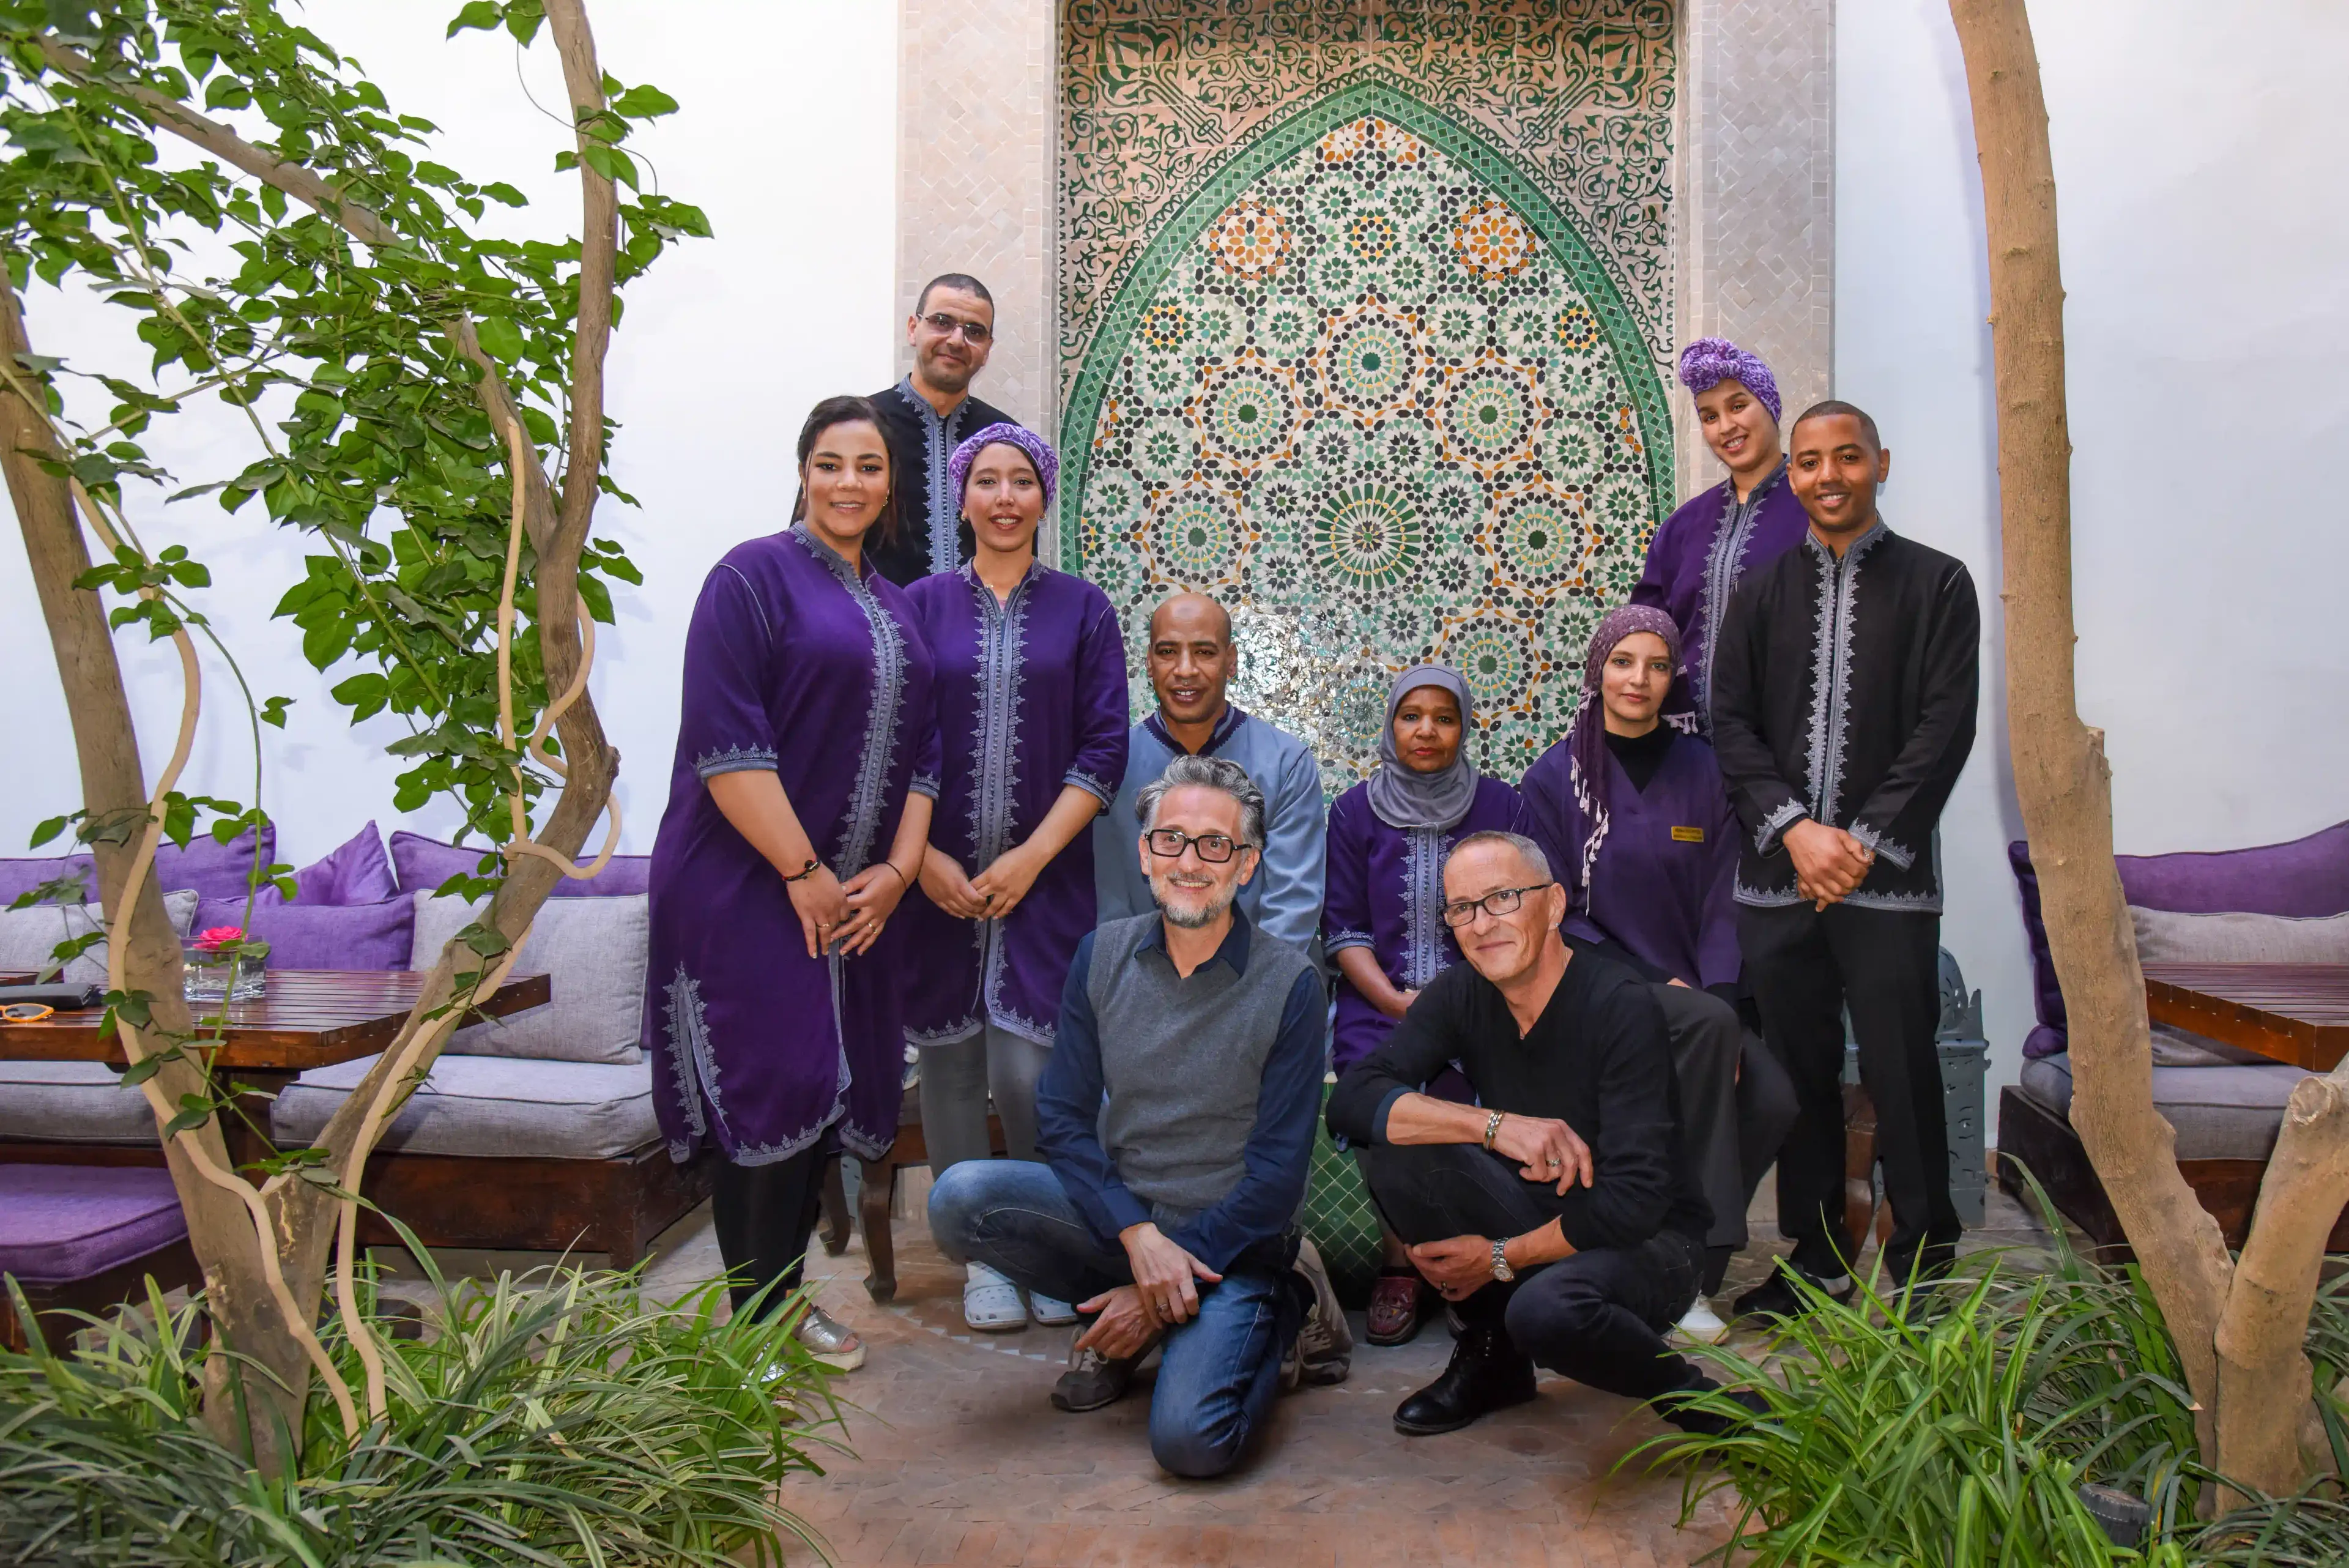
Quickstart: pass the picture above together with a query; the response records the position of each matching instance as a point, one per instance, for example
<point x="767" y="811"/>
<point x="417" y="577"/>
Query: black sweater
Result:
<point x="1597" y="1059"/>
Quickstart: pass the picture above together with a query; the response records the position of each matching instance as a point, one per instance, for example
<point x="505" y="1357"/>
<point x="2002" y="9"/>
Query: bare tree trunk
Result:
<point x="2238" y="1329"/>
<point x="114" y="792"/>
<point x="2264" y="1377"/>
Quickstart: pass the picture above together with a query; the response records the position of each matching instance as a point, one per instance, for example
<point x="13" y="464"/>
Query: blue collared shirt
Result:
<point x="1278" y="1156"/>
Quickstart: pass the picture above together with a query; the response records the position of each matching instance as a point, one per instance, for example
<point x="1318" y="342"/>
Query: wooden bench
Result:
<point x="84" y="1239"/>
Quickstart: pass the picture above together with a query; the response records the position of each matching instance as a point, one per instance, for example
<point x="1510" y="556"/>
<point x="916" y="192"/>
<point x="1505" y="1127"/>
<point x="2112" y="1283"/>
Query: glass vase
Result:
<point x="211" y="975"/>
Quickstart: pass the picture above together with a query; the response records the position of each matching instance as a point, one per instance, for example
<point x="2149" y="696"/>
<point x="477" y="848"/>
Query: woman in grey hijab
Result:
<point x="1382" y="920"/>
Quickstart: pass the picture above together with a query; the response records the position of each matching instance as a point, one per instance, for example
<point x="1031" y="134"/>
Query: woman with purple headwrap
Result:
<point x="1631" y="810"/>
<point x="1032" y="727"/>
<point x="1382" y="917"/>
<point x="1745" y="522"/>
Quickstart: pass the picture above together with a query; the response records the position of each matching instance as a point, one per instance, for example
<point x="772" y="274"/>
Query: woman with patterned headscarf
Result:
<point x="1632" y="812"/>
<point x="1381" y="918"/>
<point x="1742" y="524"/>
<point x="1032" y="729"/>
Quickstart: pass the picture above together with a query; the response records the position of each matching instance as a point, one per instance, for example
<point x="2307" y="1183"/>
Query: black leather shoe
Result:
<point x="1488" y="1373"/>
<point x="1776" y="1296"/>
<point x="1703" y="1423"/>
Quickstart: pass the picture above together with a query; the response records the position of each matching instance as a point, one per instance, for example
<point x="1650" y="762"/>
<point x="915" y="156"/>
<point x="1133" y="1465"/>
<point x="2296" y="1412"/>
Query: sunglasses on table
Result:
<point x="946" y="326"/>
<point x="25" y="1012"/>
<point x="1168" y="844"/>
<point x="1498" y="902"/>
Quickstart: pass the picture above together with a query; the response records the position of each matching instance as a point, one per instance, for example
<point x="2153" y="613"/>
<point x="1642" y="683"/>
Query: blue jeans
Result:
<point x="1217" y="1375"/>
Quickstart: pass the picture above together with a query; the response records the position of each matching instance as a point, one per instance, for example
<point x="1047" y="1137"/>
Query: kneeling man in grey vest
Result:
<point x="1175" y="1124"/>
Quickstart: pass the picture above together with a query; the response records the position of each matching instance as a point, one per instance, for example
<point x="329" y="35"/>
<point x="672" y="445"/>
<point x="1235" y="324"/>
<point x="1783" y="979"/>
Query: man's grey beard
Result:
<point x="1191" y="920"/>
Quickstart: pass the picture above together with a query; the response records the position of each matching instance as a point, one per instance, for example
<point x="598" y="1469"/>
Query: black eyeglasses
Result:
<point x="1168" y="844"/>
<point x="1497" y="903"/>
<point x="946" y="326"/>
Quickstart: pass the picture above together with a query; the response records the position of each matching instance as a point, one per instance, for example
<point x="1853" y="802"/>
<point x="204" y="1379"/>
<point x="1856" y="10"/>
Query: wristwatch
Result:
<point x="1501" y="1270"/>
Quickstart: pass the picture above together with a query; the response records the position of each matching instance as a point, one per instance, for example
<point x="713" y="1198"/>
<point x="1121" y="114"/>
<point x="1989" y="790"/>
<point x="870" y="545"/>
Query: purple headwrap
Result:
<point x="1709" y="361"/>
<point x="1586" y="747"/>
<point x="1039" y="452"/>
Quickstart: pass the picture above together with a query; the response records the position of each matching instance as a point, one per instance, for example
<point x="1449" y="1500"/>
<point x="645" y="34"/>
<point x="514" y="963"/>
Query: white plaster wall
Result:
<point x="2207" y="305"/>
<point x="784" y="139"/>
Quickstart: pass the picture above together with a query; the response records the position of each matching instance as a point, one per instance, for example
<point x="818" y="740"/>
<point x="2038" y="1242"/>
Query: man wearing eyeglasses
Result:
<point x="1557" y="1214"/>
<point x="925" y="416"/>
<point x="1175" y="1123"/>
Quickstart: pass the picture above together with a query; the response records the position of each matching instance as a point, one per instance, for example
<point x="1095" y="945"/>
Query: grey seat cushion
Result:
<point x="491" y="1107"/>
<point x="71" y="1102"/>
<point x="2219" y="1112"/>
<point x="592" y="952"/>
<point x="26" y="935"/>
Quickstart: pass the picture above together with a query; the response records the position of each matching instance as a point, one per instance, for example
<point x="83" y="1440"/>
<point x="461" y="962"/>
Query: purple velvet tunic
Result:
<point x="1031" y="698"/>
<point x="1386" y="894"/>
<point x="1664" y="884"/>
<point x="798" y="666"/>
<point x="1698" y="555"/>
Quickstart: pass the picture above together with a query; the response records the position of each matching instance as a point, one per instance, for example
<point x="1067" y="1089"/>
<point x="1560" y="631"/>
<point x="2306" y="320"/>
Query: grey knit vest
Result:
<point x="1182" y="1060"/>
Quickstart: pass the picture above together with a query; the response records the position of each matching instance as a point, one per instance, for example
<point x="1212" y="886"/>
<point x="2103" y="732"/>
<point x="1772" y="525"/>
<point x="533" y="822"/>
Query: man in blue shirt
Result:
<point x="1175" y="1123"/>
<point x="1191" y="660"/>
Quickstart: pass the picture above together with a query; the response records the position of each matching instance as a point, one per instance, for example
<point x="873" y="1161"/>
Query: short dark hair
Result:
<point x="847" y="410"/>
<point x="961" y="280"/>
<point x="1832" y="409"/>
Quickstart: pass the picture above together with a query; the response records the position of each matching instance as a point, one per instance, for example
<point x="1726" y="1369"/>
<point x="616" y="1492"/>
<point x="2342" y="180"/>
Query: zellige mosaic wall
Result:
<point x="1362" y="312"/>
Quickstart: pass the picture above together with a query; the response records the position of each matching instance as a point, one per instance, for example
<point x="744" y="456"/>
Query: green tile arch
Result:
<point x="1279" y="142"/>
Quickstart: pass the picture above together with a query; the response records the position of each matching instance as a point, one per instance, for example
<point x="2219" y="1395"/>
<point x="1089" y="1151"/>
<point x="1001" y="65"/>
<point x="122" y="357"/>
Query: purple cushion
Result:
<point x="65" y="1222"/>
<point x="359" y="872"/>
<point x="423" y="864"/>
<point x="213" y="870"/>
<point x="323" y="936"/>
<point x="2307" y="878"/>
<point x="20" y="876"/>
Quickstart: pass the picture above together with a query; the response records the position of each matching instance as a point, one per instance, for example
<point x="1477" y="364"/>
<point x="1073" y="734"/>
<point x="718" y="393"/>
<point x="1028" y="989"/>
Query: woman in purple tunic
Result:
<point x="1032" y="737"/>
<point x="807" y="760"/>
<point x="1740" y="525"/>
<point x="1631" y="810"/>
<point x="1382" y="917"/>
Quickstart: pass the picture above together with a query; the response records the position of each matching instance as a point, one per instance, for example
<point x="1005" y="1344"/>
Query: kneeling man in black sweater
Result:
<point x="1557" y="1215"/>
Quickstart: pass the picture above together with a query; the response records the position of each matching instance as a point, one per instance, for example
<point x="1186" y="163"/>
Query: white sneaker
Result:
<point x="1050" y="1311"/>
<point x="990" y="1302"/>
<point x="1702" y="1324"/>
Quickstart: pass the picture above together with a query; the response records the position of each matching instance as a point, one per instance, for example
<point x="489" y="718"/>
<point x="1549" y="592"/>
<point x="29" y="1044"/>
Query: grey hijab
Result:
<point x="1416" y="802"/>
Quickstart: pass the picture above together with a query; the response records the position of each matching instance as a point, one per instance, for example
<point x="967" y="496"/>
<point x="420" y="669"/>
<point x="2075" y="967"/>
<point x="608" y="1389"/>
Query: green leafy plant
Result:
<point x="1956" y="1429"/>
<point x="434" y="424"/>
<point x="554" y="1419"/>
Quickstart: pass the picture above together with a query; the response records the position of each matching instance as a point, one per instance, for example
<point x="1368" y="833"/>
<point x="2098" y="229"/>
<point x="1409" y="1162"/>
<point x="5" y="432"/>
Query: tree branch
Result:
<point x="2061" y="777"/>
<point x="2264" y="1376"/>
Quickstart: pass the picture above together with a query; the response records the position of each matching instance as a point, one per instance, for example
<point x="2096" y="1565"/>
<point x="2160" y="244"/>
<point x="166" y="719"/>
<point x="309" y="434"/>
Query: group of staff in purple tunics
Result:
<point x="1564" y="1025"/>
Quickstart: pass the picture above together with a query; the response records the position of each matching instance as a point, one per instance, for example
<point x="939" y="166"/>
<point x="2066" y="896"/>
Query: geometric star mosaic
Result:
<point x="1373" y="391"/>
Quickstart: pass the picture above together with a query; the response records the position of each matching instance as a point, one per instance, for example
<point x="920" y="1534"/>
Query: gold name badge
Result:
<point x="1688" y="835"/>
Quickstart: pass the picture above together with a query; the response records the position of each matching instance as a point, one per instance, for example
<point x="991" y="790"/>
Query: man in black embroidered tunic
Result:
<point x="1844" y="697"/>
<point x="925" y="416"/>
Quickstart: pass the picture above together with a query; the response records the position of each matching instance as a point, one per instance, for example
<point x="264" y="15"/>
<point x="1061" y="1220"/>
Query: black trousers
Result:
<point x="764" y="1215"/>
<point x="1598" y="1317"/>
<point x="1806" y="966"/>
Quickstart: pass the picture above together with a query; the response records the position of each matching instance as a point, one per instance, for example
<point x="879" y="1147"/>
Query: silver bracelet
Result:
<point x="1492" y="1128"/>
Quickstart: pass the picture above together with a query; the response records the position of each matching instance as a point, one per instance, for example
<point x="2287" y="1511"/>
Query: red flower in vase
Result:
<point x="214" y="937"/>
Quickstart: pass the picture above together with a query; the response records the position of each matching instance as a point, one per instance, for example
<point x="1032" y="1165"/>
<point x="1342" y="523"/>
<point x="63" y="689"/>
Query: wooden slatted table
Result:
<point x="309" y="1018"/>
<point x="2296" y="1014"/>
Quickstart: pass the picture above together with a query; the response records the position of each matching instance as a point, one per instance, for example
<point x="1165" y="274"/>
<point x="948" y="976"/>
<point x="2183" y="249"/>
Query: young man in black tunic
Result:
<point x="928" y="414"/>
<point x="1844" y="697"/>
<point x="1557" y="1215"/>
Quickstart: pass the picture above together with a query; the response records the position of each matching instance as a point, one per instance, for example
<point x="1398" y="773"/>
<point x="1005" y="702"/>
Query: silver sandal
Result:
<point x="829" y="1341"/>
